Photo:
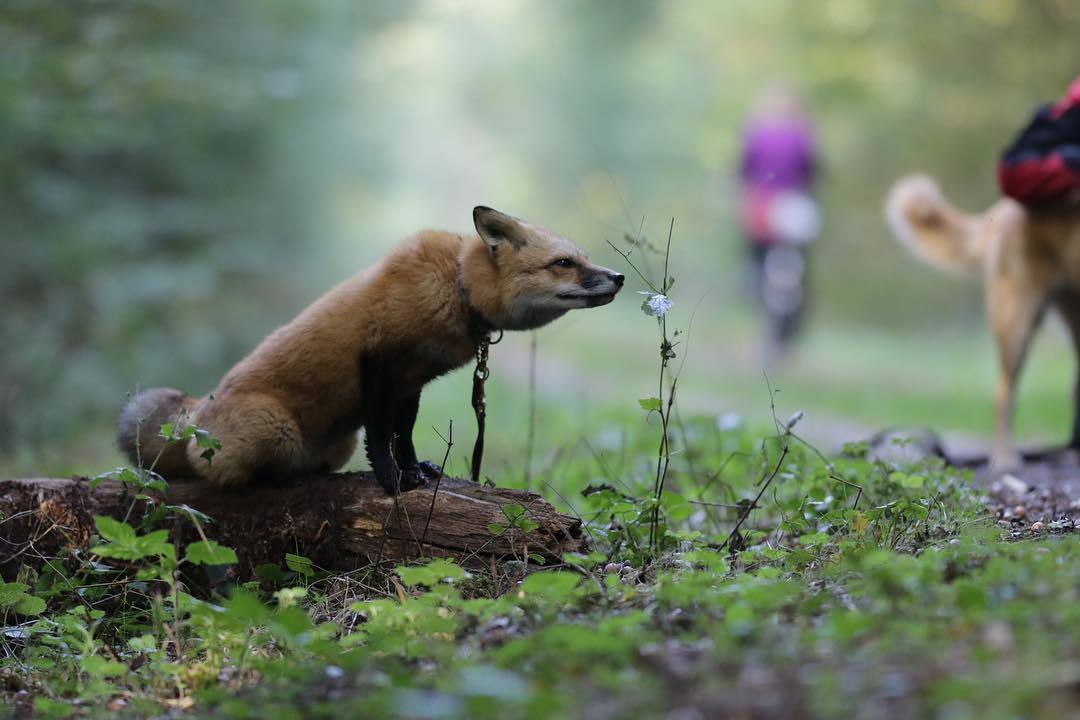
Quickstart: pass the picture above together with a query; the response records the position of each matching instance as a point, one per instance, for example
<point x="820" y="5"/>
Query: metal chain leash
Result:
<point x="479" y="403"/>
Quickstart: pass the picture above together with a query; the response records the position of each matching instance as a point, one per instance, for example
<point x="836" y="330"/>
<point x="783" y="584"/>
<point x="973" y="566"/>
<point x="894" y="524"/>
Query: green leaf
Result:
<point x="98" y="666"/>
<point x="203" y="439"/>
<point x="583" y="561"/>
<point x="272" y="573"/>
<point x="649" y="404"/>
<point x="288" y="597"/>
<point x="913" y="481"/>
<point x="554" y="585"/>
<point x="154" y="543"/>
<point x="246" y="606"/>
<point x="152" y="481"/>
<point x="30" y="605"/>
<point x="114" y="530"/>
<point x="47" y="708"/>
<point x="192" y="514"/>
<point x="126" y="545"/>
<point x="512" y="511"/>
<point x="739" y="619"/>
<point x="143" y="643"/>
<point x="496" y="529"/>
<point x="299" y="564"/>
<point x="11" y="593"/>
<point x="14" y="596"/>
<point x="142" y="479"/>
<point x="209" y="552"/>
<point x="292" y="621"/>
<point x="430" y="574"/>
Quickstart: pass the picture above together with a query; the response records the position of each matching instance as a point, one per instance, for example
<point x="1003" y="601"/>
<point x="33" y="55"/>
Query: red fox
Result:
<point x="1029" y="260"/>
<point x="360" y="355"/>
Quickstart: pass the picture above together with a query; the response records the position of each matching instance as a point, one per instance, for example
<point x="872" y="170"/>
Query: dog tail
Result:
<point x="935" y="231"/>
<point x="140" y="424"/>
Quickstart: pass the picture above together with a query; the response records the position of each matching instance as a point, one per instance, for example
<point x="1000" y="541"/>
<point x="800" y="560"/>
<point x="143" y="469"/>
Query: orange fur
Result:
<point x="361" y="353"/>
<point x="1029" y="260"/>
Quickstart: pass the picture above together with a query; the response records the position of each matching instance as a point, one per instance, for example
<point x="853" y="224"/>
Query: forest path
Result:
<point x="1045" y="490"/>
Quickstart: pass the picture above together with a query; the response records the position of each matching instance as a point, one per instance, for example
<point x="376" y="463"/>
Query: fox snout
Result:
<point x="599" y="284"/>
<point x="602" y="277"/>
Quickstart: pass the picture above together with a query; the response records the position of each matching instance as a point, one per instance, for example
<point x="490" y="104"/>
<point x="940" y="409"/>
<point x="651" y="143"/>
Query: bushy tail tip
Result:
<point x="935" y="231"/>
<point x="140" y="423"/>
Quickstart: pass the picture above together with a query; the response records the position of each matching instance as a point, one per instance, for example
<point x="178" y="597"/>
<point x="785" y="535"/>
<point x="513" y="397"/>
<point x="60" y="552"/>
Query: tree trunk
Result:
<point x="339" y="521"/>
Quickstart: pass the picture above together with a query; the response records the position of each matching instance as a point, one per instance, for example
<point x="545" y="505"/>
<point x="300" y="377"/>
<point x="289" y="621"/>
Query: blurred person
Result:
<point x="779" y="218"/>
<point x="1042" y="165"/>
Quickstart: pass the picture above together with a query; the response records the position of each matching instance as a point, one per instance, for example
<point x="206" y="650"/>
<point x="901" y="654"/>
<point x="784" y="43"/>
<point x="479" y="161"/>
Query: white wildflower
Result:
<point x="655" y="304"/>
<point x="794" y="419"/>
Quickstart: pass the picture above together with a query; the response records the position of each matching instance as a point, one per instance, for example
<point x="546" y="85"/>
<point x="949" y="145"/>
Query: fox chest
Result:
<point x="391" y="374"/>
<point x="431" y="358"/>
<point x="414" y="365"/>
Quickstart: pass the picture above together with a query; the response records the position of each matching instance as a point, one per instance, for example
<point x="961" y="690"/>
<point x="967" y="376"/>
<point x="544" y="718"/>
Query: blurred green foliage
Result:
<point x="177" y="179"/>
<point x="158" y="166"/>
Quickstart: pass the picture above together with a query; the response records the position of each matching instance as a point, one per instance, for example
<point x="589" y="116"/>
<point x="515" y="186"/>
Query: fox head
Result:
<point x="522" y="276"/>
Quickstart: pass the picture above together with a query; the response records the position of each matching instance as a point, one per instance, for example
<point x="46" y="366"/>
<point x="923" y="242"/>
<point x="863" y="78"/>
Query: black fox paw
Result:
<point x="409" y="478"/>
<point x="429" y="470"/>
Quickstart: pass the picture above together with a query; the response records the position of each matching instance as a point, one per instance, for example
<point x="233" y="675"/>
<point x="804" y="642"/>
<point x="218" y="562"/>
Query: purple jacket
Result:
<point x="778" y="154"/>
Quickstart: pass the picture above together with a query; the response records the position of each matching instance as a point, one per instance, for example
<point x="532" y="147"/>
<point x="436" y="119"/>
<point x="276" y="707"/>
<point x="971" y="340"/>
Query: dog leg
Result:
<point x="1068" y="304"/>
<point x="1015" y="311"/>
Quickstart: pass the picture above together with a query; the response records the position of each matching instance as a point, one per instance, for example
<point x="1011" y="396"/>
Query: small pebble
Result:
<point x="1014" y="484"/>
<point x="1037" y="526"/>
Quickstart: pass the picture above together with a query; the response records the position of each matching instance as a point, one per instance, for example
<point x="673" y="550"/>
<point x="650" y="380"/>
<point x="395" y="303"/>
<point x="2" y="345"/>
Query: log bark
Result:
<point x="340" y="521"/>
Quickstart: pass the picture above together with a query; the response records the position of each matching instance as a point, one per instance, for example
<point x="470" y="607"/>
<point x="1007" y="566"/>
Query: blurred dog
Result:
<point x="1030" y="262"/>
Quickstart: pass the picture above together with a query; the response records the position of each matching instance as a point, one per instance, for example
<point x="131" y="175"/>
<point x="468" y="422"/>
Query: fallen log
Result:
<point x="340" y="521"/>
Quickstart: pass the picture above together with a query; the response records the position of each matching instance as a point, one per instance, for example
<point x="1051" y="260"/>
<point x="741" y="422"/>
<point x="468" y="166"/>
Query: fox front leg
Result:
<point x="379" y="437"/>
<point x="405" y="411"/>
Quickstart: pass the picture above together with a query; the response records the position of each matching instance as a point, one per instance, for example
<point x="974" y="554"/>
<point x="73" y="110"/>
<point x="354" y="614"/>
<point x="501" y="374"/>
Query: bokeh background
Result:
<point x="177" y="179"/>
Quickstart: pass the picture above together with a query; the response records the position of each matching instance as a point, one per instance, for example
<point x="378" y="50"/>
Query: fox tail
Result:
<point x="139" y="426"/>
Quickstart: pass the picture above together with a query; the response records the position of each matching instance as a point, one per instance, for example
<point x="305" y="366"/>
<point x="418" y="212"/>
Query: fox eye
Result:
<point x="564" y="263"/>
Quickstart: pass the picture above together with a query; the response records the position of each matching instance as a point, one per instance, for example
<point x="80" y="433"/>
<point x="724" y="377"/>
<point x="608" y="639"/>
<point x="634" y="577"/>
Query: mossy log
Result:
<point x="340" y="521"/>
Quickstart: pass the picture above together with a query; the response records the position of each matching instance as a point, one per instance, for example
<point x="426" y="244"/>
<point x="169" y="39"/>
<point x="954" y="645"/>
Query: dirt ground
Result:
<point x="1042" y="496"/>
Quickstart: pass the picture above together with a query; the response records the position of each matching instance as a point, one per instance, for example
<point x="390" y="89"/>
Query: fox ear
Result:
<point x="496" y="227"/>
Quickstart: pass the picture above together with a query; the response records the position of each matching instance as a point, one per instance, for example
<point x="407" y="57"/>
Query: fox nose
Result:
<point x="618" y="278"/>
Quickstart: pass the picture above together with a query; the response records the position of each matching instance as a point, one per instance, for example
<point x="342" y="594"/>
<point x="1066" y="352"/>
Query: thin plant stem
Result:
<point x="530" y="436"/>
<point x="750" y="507"/>
<point x="449" y="440"/>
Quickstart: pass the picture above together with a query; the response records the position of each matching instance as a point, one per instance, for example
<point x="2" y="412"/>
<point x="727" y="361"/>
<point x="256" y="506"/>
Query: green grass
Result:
<point x="857" y="588"/>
